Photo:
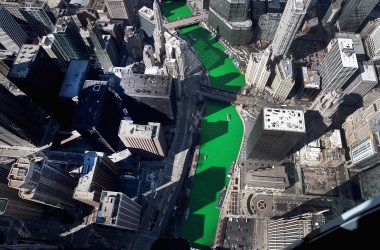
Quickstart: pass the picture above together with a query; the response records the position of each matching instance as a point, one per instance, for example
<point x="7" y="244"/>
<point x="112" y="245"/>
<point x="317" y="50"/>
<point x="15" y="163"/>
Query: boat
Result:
<point x="228" y="117"/>
<point x="232" y="169"/>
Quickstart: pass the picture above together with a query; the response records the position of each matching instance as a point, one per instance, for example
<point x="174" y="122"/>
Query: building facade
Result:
<point x="40" y="182"/>
<point x="118" y="210"/>
<point x="354" y="13"/>
<point x="148" y="140"/>
<point x="228" y="19"/>
<point x="258" y="72"/>
<point x="290" y="24"/>
<point x="274" y="134"/>
<point x="12" y="36"/>
<point x="147" y="20"/>
<point x="284" y="80"/>
<point x="121" y="9"/>
<point x="98" y="174"/>
<point x="371" y="38"/>
<point x="267" y="26"/>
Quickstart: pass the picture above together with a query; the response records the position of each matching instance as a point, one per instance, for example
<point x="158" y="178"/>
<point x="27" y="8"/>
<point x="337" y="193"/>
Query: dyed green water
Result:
<point x="175" y="9"/>
<point x="220" y="141"/>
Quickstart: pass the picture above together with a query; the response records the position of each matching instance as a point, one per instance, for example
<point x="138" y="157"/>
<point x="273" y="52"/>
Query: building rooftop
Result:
<point x="239" y="233"/>
<point x="33" y="4"/>
<point x="284" y="120"/>
<point x="311" y="79"/>
<point x="367" y="72"/>
<point x="146" y="85"/>
<point x="25" y="57"/>
<point x="74" y="78"/>
<point x="286" y="67"/>
<point x="62" y="24"/>
<point x="91" y="102"/>
<point x="127" y="128"/>
<point x="299" y="6"/>
<point x="347" y="53"/>
<point x="83" y="189"/>
<point x="274" y="177"/>
<point x="146" y="12"/>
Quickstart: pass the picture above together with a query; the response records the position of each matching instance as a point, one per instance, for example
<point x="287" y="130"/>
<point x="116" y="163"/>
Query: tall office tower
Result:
<point x="147" y="20"/>
<point x="22" y="122"/>
<point x="69" y="40"/>
<point x="258" y="71"/>
<point x="228" y="19"/>
<point x="133" y="40"/>
<point x="176" y="48"/>
<point x="362" y="84"/>
<point x="38" y="15"/>
<point x="274" y="134"/>
<point x="50" y="45"/>
<point x="158" y="33"/>
<point x="267" y="26"/>
<point x="359" y="124"/>
<point x="75" y="77"/>
<point x="118" y="210"/>
<point x="10" y="202"/>
<point x="40" y="182"/>
<point x="148" y="57"/>
<point x="354" y="13"/>
<point x="281" y="233"/>
<point x="149" y="94"/>
<point x="35" y="73"/>
<point x="6" y="60"/>
<point x="371" y="37"/>
<point x="290" y="24"/>
<point x="13" y="7"/>
<point x="98" y="173"/>
<point x="311" y="83"/>
<point x="12" y="36"/>
<point x="97" y="117"/>
<point x="339" y="65"/>
<point x="367" y="152"/>
<point x="284" y="80"/>
<point x="105" y="49"/>
<point x="357" y="44"/>
<point x="121" y="9"/>
<point x="146" y="140"/>
<point x="328" y="103"/>
<point x="331" y="13"/>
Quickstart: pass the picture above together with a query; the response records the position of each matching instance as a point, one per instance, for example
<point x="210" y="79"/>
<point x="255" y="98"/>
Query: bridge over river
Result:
<point x="185" y="21"/>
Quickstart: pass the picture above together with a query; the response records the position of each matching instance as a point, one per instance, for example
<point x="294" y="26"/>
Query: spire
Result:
<point x="157" y="17"/>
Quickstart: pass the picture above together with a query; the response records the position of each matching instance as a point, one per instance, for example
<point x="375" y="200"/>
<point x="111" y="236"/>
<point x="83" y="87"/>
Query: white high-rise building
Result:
<point x="12" y="36"/>
<point x="284" y="80"/>
<point x="257" y="72"/>
<point x="158" y="33"/>
<point x="339" y="64"/>
<point x="354" y="13"/>
<point x="372" y="39"/>
<point x="290" y="23"/>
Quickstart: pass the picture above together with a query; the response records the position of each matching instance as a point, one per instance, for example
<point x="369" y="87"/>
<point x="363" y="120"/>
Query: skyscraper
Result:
<point x="331" y="13"/>
<point x="158" y="33"/>
<point x="284" y="80"/>
<point x="40" y="182"/>
<point x="68" y="39"/>
<point x="98" y="173"/>
<point x="362" y="84"/>
<point x="39" y="17"/>
<point x="147" y="140"/>
<point x="258" y="71"/>
<point x="22" y="122"/>
<point x="97" y="117"/>
<point x="267" y="26"/>
<point x="354" y="13"/>
<point x="147" y="20"/>
<point x="229" y="20"/>
<point x="274" y="134"/>
<point x="13" y="6"/>
<point x="121" y="9"/>
<point x="371" y="38"/>
<point x="118" y="210"/>
<point x="12" y="36"/>
<point x="290" y="23"/>
<point x="149" y="94"/>
<point x="133" y="40"/>
<point x="50" y="45"/>
<point x="339" y="65"/>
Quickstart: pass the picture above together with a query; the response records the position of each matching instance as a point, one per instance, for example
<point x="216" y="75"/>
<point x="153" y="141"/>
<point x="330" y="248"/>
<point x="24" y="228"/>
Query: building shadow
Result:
<point x="222" y="82"/>
<point x="193" y="227"/>
<point x="213" y="130"/>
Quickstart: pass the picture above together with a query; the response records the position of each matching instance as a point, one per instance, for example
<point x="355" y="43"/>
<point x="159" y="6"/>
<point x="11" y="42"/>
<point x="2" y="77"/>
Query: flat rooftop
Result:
<point x="62" y="23"/>
<point x="74" y="78"/>
<point x="136" y="130"/>
<point x="146" y="12"/>
<point x="266" y="178"/>
<point x="284" y="119"/>
<point x="347" y="53"/>
<point x="25" y="57"/>
<point x="287" y="68"/>
<point x="146" y="85"/>
<point x="367" y="72"/>
<point x="299" y="6"/>
<point x="311" y="79"/>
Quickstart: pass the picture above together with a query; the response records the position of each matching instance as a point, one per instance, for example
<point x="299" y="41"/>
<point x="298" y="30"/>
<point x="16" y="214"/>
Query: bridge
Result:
<point x="185" y="21"/>
<point x="232" y="97"/>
